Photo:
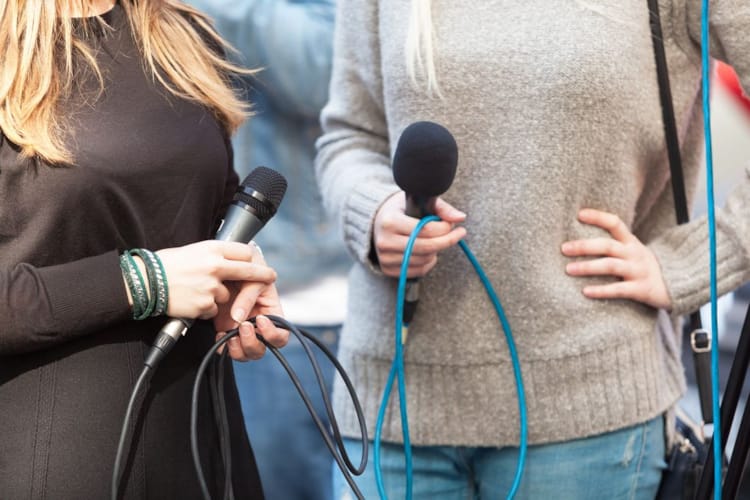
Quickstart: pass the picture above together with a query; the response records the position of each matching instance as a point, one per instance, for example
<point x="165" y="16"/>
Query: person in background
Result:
<point x="563" y="193"/>
<point x="115" y="172"/>
<point x="291" y="42"/>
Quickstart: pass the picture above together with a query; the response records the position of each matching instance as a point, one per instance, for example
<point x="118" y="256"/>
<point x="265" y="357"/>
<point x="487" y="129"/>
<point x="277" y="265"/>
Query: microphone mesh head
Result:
<point x="270" y="184"/>
<point x="425" y="160"/>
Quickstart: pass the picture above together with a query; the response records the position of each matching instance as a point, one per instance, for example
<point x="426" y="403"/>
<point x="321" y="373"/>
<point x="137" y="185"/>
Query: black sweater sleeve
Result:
<point x="42" y="307"/>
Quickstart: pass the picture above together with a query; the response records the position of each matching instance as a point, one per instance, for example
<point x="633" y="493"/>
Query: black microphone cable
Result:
<point x="222" y="421"/>
<point x="143" y="379"/>
<point x="335" y="445"/>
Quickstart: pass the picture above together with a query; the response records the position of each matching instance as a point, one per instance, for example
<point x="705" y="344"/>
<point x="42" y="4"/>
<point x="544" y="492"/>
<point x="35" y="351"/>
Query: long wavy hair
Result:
<point x="40" y="49"/>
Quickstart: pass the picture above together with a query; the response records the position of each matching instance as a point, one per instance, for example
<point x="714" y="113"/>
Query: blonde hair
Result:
<point x="38" y="47"/>
<point x="420" y="48"/>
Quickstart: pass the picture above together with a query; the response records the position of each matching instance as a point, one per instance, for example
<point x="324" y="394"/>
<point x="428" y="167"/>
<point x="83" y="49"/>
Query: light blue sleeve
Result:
<point x="290" y="40"/>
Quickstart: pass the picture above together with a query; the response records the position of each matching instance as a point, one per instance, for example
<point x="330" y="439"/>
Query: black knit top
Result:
<point x="150" y="171"/>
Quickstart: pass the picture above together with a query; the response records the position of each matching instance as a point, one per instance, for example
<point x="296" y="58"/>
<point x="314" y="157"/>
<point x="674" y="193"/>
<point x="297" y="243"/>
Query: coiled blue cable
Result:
<point x="706" y="88"/>
<point x="397" y="370"/>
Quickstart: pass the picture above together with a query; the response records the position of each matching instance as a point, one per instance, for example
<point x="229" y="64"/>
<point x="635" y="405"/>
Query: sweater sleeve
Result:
<point x="729" y="28"/>
<point x="43" y="307"/>
<point x="682" y="252"/>
<point x="353" y="161"/>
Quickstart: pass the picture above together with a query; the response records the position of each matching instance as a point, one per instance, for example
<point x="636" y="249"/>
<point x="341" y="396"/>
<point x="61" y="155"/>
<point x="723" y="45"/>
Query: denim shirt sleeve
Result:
<point x="290" y="41"/>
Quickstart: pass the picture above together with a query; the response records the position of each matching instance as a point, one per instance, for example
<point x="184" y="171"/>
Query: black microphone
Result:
<point x="424" y="166"/>
<point x="254" y="203"/>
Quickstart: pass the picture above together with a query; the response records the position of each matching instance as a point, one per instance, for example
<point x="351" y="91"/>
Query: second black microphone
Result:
<point x="254" y="203"/>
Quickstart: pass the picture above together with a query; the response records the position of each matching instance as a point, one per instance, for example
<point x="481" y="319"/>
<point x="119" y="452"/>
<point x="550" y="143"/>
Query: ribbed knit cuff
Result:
<point x="86" y="294"/>
<point x="359" y="215"/>
<point x="683" y="254"/>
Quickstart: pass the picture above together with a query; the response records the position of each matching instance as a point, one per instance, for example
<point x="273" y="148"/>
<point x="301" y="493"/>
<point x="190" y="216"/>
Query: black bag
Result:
<point x="685" y="461"/>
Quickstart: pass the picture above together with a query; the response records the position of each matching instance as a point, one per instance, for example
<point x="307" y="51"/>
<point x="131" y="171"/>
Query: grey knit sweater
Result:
<point x="554" y="105"/>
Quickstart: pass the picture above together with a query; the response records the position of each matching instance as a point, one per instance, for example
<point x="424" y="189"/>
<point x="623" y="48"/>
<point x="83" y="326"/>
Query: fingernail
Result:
<point x="244" y="331"/>
<point x="239" y="315"/>
<point x="565" y="247"/>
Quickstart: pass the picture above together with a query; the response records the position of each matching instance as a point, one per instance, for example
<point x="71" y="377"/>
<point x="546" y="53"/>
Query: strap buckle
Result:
<point x="700" y="340"/>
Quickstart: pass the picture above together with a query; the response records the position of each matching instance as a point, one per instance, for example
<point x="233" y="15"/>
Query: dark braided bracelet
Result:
<point x="157" y="280"/>
<point x="136" y="285"/>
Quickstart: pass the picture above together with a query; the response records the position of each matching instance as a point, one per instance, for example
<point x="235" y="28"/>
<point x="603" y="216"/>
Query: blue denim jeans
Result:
<point x="624" y="464"/>
<point x="292" y="458"/>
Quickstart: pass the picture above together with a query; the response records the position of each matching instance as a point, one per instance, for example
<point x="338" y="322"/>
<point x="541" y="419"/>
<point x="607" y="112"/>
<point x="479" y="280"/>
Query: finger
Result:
<point x="418" y="272"/>
<point x="234" y="250"/>
<point x="433" y="245"/>
<point x="235" y="270"/>
<point x="252" y="347"/>
<point x="209" y="312"/>
<point x="222" y="294"/>
<point x="393" y="259"/>
<point x="607" y="266"/>
<point x="403" y="225"/>
<point x="235" y="348"/>
<point x="220" y="335"/>
<point x="245" y="300"/>
<point x="608" y="221"/>
<point x="423" y="245"/>
<point x="592" y="247"/>
<point x="223" y="320"/>
<point x="258" y="257"/>
<point x="277" y="337"/>
<point x="435" y="229"/>
<point x="448" y="212"/>
<point x="413" y="271"/>
<point x="617" y="290"/>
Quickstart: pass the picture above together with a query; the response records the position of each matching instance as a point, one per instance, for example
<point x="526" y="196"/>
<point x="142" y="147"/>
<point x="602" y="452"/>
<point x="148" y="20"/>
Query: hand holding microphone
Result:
<point x="424" y="166"/>
<point x="202" y="275"/>
<point x="226" y="279"/>
<point x="392" y="229"/>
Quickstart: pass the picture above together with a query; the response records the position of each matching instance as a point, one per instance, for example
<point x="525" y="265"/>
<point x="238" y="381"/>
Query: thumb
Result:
<point x="448" y="212"/>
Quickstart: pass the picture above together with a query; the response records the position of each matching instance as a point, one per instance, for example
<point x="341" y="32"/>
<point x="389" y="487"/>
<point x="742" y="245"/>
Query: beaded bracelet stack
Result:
<point x="148" y="300"/>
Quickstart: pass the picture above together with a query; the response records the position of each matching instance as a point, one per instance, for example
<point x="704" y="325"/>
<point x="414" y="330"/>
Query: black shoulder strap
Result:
<point x="700" y="341"/>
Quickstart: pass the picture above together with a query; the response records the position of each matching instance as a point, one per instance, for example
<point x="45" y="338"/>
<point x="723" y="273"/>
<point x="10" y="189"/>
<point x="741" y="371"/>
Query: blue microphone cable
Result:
<point x="706" y="89"/>
<point x="397" y="370"/>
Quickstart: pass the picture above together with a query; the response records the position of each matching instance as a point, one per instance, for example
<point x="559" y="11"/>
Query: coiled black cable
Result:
<point x="337" y="450"/>
<point x="217" y="395"/>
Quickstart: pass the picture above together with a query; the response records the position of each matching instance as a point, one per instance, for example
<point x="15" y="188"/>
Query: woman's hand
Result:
<point x="197" y="273"/>
<point x="623" y="256"/>
<point x="250" y="299"/>
<point x="393" y="227"/>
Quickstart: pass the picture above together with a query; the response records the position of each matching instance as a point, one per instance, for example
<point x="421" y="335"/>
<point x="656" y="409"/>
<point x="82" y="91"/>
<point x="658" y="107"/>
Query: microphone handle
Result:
<point x="416" y="206"/>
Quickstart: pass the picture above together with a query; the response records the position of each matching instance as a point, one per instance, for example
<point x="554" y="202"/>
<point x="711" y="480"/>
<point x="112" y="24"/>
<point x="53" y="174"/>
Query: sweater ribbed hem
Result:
<point x="568" y="398"/>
